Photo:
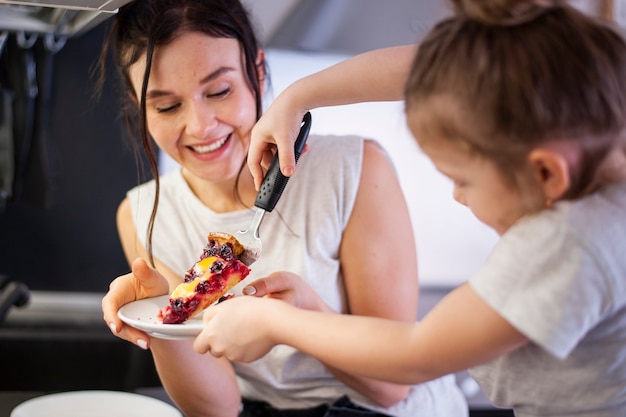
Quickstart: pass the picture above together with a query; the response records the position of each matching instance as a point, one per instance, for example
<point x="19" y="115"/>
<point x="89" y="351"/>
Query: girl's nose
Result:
<point x="458" y="196"/>
<point x="201" y="119"/>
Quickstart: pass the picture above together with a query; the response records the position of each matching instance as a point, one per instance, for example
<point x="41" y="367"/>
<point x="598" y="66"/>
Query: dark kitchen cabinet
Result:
<point x="57" y="232"/>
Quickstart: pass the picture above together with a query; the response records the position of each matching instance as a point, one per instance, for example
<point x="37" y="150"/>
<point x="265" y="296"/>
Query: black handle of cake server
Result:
<point x="274" y="182"/>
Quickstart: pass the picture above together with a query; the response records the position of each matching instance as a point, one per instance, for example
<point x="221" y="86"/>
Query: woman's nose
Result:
<point x="200" y="120"/>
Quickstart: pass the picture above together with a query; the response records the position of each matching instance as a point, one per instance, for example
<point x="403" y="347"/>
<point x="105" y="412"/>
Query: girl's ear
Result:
<point x="552" y="172"/>
<point x="260" y="63"/>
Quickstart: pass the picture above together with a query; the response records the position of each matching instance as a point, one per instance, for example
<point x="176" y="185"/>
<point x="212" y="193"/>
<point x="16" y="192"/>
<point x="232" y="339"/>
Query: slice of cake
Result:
<point x="217" y="271"/>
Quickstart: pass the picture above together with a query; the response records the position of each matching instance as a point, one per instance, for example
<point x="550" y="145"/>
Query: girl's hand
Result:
<point x="143" y="282"/>
<point x="239" y="328"/>
<point x="289" y="288"/>
<point x="276" y="131"/>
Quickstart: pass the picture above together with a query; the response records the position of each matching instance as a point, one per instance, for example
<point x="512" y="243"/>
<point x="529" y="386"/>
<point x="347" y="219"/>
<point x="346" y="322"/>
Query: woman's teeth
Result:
<point x="210" y="148"/>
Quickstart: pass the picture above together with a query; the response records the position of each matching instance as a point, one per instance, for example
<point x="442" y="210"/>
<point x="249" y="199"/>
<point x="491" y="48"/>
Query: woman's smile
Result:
<point x="211" y="147"/>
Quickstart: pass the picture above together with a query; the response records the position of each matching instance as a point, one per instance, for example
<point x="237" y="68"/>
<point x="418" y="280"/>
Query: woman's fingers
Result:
<point x="144" y="281"/>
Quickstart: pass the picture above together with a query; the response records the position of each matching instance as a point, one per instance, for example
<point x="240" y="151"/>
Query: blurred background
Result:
<point x="66" y="163"/>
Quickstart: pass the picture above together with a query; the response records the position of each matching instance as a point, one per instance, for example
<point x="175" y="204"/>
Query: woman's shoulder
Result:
<point x="326" y="149"/>
<point x="329" y="155"/>
<point x="345" y="144"/>
<point x="342" y="151"/>
<point x="335" y="141"/>
<point x="169" y="179"/>
<point x="171" y="185"/>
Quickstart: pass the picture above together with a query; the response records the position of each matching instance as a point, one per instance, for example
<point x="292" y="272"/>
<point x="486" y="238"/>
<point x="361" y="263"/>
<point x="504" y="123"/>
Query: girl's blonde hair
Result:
<point x="502" y="77"/>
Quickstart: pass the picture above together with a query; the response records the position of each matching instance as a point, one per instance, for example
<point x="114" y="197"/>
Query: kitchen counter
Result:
<point x="59" y="342"/>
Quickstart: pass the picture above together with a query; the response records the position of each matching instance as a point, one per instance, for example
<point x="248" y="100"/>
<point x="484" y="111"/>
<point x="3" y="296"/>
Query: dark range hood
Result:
<point x="356" y="26"/>
<point x="345" y="26"/>
<point x="58" y="18"/>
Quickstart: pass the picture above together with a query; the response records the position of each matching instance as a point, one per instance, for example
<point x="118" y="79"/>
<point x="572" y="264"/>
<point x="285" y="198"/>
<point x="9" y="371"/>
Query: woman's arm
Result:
<point x="377" y="75"/>
<point x="379" y="261"/>
<point x="200" y="385"/>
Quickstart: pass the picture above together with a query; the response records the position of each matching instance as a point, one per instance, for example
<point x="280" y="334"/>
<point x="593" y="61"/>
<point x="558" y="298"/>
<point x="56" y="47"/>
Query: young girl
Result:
<point x="522" y="104"/>
<point x="195" y="77"/>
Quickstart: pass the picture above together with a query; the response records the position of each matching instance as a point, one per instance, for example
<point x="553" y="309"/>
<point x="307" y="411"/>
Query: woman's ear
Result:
<point x="262" y="71"/>
<point x="551" y="169"/>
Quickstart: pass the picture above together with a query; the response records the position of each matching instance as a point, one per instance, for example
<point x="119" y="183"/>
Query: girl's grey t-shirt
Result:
<point x="559" y="277"/>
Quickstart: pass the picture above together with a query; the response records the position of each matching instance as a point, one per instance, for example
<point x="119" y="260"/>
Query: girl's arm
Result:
<point x="460" y="332"/>
<point x="377" y="75"/>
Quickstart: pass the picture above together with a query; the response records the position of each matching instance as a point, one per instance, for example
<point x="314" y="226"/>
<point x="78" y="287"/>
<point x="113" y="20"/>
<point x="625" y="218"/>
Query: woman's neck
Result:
<point x="226" y="196"/>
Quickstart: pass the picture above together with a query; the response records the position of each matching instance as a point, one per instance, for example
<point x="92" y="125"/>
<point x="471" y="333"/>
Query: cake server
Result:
<point x="272" y="188"/>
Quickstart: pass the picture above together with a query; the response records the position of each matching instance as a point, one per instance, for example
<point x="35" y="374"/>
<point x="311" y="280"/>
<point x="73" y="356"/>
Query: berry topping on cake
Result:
<point x="217" y="271"/>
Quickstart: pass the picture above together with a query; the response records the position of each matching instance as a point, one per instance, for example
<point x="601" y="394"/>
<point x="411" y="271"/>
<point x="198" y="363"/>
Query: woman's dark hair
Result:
<point x="500" y="77"/>
<point x="143" y="25"/>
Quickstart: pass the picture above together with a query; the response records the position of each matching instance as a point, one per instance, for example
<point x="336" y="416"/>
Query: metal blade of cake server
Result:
<point x="250" y="239"/>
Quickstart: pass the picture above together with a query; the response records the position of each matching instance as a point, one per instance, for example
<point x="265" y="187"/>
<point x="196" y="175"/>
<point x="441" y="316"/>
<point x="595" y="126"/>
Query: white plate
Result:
<point x="142" y="314"/>
<point x="95" y="404"/>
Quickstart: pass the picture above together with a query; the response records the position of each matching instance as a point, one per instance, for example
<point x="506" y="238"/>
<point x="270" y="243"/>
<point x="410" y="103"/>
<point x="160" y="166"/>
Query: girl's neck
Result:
<point x="613" y="168"/>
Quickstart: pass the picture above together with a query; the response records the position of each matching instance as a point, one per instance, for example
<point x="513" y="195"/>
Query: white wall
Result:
<point x="451" y="242"/>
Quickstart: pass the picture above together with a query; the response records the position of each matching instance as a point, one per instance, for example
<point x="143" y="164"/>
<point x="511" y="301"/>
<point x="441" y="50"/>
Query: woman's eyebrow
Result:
<point x="218" y="72"/>
<point x="209" y="77"/>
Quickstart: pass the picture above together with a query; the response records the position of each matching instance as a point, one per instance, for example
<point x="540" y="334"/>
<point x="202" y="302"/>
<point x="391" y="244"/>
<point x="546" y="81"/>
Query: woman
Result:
<point x="196" y="76"/>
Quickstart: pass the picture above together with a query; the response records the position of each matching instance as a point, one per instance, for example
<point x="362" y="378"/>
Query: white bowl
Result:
<point x="95" y="403"/>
